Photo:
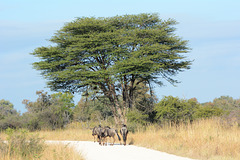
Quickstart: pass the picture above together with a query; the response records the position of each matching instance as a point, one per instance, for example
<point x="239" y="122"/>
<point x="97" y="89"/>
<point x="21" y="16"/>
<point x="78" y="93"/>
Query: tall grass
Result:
<point x="20" y="145"/>
<point x="60" y="152"/>
<point x="52" y="152"/>
<point x="203" y="139"/>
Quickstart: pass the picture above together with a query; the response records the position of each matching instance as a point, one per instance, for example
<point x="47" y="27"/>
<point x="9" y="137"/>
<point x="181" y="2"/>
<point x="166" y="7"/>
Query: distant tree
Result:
<point x="227" y="103"/>
<point x="230" y="108"/>
<point x="9" y="117"/>
<point x="43" y="102"/>
<point x="136" y="116"/>
<point x="113" y="56"/>
<point x="54" y="111"/>
<point x="174" y="110"/>
<point x="6" y="109"/>
<point x="91" y="108"/>
<point x="208" y="110"/>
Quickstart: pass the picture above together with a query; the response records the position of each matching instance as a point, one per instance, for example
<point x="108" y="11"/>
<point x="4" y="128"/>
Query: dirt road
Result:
<point x="93" y="151"/>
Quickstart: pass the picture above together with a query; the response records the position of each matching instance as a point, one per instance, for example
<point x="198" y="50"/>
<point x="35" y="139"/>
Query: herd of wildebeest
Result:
<point x="101" y="134"/>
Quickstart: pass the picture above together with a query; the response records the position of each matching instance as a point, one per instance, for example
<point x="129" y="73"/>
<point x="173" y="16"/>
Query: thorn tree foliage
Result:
<point x="113" y="56"/>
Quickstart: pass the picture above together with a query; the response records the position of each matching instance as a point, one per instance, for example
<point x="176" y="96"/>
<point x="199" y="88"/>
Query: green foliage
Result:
<point x="12" y="121"/>
<point x="49" y="111"/>
<point x="226" y="103"/>
<point x="136" y="116"/>
<point x="6" y="104"/>
<point x="208" y="111"/>
<point x="94" y="110"/>
<point x="232" y="118"/>
<point x="174" y="110"/>
<point x="9" y="117"/>
<point x="6" y="109"/>
<point x="230" y="109"/>
<point x="144" y="100"/>
<point x="114" y="55"/>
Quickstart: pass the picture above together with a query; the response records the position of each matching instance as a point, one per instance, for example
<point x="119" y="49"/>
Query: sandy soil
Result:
<point x="93" y="151"/>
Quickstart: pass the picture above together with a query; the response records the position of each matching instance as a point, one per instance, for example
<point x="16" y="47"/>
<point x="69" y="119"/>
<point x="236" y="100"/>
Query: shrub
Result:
<point x="208" y="111"/>
<point x="174" y="110"/>
<point x="136" y="120"/>
<point x="49" y="111"/>
<point x="232" y="118"/>
<point x="136" y="116"/>
<point x="12" y="121"/>
<point x="21" y="144"/>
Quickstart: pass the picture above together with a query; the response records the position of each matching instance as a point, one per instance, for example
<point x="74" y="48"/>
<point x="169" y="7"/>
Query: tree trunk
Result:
<point x="115" y="107"/>
<point x="131" y="89"/>
<point x="124" y="97"/>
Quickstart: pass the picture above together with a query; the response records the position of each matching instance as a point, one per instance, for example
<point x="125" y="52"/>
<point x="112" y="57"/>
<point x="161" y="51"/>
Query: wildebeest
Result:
<point x="124" y="133"/>
<point x="109" y="132"/>
<point x="96" y="132"/>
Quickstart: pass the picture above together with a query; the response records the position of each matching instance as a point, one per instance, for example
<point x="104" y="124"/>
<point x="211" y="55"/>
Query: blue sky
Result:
<point x="211" y="26"/>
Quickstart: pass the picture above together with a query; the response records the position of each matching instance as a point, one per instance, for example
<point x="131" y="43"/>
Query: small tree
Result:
<point x="174" y="110"/>
<point x="53" y="111"/>
<point x="208" y="110"/>
<point x="9" y="117"/>
<point x="6" y="109"/>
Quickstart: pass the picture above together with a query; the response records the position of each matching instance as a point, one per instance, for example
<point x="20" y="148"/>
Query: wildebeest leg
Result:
<point x="97" y="139"/>
<point x="103" y="139"/>
<point x="125" y="140"/>
<point x="100" y="139"/>
<point x="121" y="135"/>
<point x="106" y="141"/>
<point x="113" y="140"/>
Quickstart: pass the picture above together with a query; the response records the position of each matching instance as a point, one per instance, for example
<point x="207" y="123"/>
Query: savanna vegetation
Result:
<point x="178" y="126"/>
<point x="114" y="64"/>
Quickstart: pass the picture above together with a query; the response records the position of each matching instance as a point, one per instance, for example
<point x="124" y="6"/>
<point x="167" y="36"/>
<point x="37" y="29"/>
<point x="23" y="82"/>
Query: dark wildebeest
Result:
<point x="124" y="132"/>
<point x="110" y="132"/>
<point x="97" y="132"/>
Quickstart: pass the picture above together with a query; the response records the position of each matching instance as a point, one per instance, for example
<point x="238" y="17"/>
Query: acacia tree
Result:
<point x="112" y="56"/>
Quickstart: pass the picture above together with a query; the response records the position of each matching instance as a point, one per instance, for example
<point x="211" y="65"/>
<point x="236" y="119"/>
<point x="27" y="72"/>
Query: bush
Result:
<point x="21" y="144"/>
<point x="12" y="121"/>
<point x="49" y="111"/>
<point x="232" y="118"/>
<point x="174" y="110"/>
<point x="136" y="116"/>
<point x="208" y="111"/>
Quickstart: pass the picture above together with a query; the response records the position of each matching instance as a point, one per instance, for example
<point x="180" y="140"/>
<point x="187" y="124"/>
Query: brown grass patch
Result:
<point x="206" y="139"/>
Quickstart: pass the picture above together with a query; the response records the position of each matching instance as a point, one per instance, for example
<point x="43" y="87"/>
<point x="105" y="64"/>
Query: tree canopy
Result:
<point x="113" y="56"/>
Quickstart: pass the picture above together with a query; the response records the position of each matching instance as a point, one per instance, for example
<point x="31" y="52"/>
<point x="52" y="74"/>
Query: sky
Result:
<point x="212" y="28"/>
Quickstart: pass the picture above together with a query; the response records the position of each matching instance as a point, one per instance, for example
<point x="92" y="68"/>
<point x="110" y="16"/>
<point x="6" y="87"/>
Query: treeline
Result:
<point x="57" y="110"/>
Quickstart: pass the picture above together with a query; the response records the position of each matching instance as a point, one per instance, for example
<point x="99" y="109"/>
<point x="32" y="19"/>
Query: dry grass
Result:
<point x="60" y="152"/>
<point x="52" y="152"/>
<point x="205" y="139"/>
<point x="72" y="134"/>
